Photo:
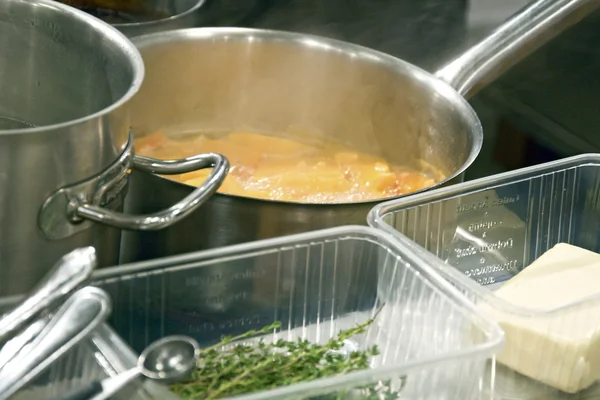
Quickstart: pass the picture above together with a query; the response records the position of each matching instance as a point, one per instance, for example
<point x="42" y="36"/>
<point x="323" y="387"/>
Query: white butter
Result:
<point x="559" y="348"/>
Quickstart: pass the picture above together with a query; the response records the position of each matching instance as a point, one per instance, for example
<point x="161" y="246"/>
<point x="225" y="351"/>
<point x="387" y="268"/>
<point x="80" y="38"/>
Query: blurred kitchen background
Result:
<point x="542" y="109"/>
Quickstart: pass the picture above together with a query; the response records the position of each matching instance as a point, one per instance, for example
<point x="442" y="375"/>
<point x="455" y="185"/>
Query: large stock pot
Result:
<point x="221" y="79"/>
<point x="65" y="150"/>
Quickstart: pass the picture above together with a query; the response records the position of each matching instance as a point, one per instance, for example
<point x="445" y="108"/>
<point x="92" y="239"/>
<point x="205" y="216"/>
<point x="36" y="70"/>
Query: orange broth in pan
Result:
<point x="276" y="168"/>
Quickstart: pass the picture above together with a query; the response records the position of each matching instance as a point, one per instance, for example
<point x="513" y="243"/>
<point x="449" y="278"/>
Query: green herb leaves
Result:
<point x="228" y="369"/>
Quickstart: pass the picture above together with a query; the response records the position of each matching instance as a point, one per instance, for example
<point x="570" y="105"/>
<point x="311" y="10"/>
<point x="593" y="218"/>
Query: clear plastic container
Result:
<point x="433" y="344"/>
<point x="489" y="230"/>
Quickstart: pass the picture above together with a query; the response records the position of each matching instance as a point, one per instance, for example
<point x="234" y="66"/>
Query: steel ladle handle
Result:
<point x="171" y="215"/>
<point x="516" y="38"/>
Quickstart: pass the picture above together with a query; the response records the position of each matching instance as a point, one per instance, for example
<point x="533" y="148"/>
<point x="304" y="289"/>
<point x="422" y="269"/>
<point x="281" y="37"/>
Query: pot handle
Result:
<point x="79" y="210"/>
<point x="515" y="39"/>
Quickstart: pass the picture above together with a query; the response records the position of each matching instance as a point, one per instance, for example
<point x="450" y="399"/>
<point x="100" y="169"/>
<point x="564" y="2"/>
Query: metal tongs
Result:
<point x="21" y="336"/>
<point x="68" y="273"/>
<point x="74" y="321"/>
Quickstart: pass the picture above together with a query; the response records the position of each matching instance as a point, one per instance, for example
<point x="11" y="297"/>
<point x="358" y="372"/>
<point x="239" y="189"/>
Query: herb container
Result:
<point x="489" y="230"/>
<point x="433" y="344"/>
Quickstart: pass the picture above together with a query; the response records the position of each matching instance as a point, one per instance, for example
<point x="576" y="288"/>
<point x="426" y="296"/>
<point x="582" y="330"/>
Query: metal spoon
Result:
<point x="73" y="322"/>
<point x="168" y="360"/>
<point x="67" y="274"/>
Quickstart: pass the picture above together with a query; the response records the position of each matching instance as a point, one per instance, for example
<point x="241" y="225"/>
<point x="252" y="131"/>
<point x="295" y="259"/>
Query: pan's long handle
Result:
<point x="518" y="37"/>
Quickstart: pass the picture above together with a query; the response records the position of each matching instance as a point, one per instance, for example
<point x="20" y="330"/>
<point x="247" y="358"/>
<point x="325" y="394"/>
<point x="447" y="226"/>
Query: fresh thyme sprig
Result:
<point x="228" y="369"/>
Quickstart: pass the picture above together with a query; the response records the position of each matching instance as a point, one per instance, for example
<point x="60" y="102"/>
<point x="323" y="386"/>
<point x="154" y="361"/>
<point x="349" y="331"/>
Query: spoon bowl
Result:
<point x="168" y="360"/>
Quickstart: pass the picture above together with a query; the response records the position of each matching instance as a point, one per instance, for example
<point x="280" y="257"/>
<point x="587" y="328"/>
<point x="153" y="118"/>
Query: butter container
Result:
<point x="433" y="343"/>
<point x="481" y="233"/>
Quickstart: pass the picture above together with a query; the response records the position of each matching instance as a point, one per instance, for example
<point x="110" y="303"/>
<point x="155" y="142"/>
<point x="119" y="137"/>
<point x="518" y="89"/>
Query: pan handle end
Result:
<point x="523" y="33"/>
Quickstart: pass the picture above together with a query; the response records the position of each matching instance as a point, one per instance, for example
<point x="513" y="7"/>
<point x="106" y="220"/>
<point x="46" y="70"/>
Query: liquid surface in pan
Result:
<point x="276" y="168"/>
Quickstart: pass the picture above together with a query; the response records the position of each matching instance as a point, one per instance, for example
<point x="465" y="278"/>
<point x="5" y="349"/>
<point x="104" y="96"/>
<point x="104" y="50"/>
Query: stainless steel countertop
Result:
<point x="552" y="95"/>
<point x="425" y="32"/>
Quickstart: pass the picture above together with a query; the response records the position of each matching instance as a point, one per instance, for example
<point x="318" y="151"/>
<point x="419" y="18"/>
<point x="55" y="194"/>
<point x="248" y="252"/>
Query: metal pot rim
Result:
<point x="404" y="68"/>
<point x="194" y="8"/>
<point x="114" y="36"/>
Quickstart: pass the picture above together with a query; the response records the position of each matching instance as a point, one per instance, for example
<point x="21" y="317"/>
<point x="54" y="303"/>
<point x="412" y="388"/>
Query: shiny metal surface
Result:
<point x="426" y="33"/>
<point x="179" y="14"/>
<point x="176" y="212"/>
<point x="72" y="209"/>
<point x="167" y="360"/>
<point x="66" y="275"/>
<point x="55" y="218"/>
<point x="65" y="148"/>
<point x="12" y="347"/>
<point x="360" y="97"/>
<point x="102" y="354"/>
<point x="344" y="92"/>
<point x="515" y="39"/>
<point x="73" y="322"/>
<point x="68" y="78"/>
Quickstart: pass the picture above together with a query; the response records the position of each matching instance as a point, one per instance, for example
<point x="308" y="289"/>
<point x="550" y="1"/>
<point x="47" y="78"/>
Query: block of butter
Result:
<point x="559" y="348"/>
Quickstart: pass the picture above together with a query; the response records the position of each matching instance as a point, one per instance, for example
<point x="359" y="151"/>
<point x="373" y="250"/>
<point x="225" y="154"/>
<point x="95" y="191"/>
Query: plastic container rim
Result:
<point x="377" y="213"/>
